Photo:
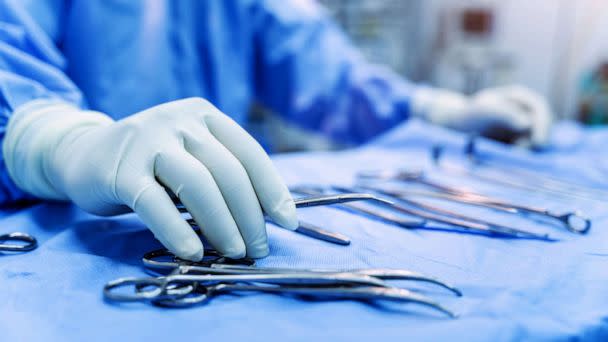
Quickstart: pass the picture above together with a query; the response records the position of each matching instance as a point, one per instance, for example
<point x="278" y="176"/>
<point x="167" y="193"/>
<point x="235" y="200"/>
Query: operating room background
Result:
<point x="549" y="46"/>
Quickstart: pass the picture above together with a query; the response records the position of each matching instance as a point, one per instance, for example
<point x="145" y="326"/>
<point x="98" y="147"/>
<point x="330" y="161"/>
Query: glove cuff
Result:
<point x="33" y="132"/>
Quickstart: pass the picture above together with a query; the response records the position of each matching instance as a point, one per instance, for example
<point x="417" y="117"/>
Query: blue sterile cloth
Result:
<point x="513" y="289"/>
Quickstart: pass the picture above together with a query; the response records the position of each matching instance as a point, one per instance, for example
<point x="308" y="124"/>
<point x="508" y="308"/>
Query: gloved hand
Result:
<point x="217" y="170"/>
<point x="509" y="114"/>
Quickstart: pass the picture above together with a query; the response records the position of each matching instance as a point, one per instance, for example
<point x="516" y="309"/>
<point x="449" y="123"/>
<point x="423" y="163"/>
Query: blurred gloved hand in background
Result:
<point x="511" y="114"/>
<point x="216" y="169"/>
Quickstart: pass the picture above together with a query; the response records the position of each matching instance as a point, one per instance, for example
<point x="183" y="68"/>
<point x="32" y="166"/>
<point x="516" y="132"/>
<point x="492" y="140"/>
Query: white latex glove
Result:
<point x="510" y="113"/>
<point x="217" y="170"/>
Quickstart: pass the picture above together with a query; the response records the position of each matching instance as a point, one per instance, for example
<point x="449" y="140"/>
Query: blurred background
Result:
<point x="556" y="47"/>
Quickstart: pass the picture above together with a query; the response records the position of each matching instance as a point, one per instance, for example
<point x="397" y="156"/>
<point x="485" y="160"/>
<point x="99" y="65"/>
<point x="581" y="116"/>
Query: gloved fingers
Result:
<point x="157" y="211"/>
<point x="195" y="187"/>
<point x="537" y="108"/>
<point x="236" y="189"/>
<point x="270" y="188"/>
<point x="534" y="105"/>
<point x="492" y="109"/>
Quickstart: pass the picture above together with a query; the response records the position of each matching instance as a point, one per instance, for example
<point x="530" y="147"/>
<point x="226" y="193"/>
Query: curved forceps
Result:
<point x="6" y="246"/>
<point x="379" y="273"/>
<point x="203" y="294"/>
<point x="167" y="287"/>
<point x="244" y="268"/>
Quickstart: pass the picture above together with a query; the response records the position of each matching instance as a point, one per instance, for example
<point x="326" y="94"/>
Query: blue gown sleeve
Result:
<point x="31" y="68"/>
<point x="310" y="73"/>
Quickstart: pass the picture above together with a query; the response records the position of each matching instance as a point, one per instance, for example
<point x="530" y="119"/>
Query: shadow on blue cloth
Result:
<point x="125" y="241"/>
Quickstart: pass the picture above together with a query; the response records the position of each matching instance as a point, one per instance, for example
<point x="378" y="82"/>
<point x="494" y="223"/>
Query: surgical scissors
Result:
<point x="7" y="242"/>
<point x="573" y="221"/>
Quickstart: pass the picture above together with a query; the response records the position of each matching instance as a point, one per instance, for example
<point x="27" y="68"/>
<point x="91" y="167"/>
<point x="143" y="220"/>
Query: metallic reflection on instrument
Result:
<point x="185" y="283"/>
<point x="17" y="242"/>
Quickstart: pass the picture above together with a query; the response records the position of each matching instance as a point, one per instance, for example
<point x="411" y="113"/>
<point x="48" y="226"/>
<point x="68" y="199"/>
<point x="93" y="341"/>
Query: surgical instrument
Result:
<point x="7" y="242"/>
<point x="360" y="293"/>
<point x="474" y="156"/>
<point x="153" y="260"/>
<point x="466" y="225"/>
<point x="503" y="179"/>
<point x="319" y="233"/>
<point x="201" y="293"/>
<point x="447" y="217"/>
<point x="321" y="200"/>
<point x="380" y="215"/>
<point x="407" y="176"/>
<point x="294" y="279"/>
<point x="309" y="229"/>
<point x="188" y="283"/>
<point x="573" y="221"/>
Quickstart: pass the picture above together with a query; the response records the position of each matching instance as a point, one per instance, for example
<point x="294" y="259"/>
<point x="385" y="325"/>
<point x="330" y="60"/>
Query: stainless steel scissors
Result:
<point x="17" y="242"/>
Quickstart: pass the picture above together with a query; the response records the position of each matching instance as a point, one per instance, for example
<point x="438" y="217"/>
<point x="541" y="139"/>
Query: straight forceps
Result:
<point x="188" y="283"/>
<point x="525" y="180"/>
<point x="309" y="229"/>
<point x="444" y="216"/>
<point x="545" y="181"/>
<point x="380" y="215"/>
<point x="427" y="213"/>
<point x="572" y="221"/>
<point x="319" y="200"/>
<point x="11" y="242"/>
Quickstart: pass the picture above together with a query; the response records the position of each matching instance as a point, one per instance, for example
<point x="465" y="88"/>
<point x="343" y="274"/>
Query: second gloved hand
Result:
<point x="509" y="114"/>
<point x="222" y="176"/>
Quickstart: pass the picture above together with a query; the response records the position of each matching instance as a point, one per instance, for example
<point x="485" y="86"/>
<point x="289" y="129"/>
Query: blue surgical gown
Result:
<point x="122" y="56"/>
